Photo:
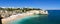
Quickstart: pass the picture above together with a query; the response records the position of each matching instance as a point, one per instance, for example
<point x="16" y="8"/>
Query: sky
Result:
<point x="43" y="4"/>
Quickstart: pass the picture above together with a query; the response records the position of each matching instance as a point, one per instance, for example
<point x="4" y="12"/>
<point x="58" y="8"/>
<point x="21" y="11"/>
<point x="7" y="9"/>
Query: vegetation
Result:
<point x="23" y="10"/>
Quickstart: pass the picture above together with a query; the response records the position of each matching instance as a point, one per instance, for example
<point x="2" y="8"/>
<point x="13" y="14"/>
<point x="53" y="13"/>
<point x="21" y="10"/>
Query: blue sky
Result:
<point x="43" y="4"/>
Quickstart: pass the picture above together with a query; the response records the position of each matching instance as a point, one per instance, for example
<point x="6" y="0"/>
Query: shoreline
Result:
<point x="11" y="18"/>
<point x="20" y="16"/>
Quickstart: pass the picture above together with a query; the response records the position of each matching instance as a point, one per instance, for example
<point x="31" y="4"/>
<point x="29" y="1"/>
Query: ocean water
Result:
<point x="52" y="18"/>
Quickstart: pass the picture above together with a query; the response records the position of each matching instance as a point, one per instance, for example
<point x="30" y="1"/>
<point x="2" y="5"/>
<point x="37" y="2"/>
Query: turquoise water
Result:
<point x="28" y="20"/>
<point x="52" y="18"/>
<point x="33" y="19"/>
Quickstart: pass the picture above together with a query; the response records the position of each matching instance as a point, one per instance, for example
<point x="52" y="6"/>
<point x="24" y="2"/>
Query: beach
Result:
<point x="14" y="17"/>
<point x="21" y="15"/>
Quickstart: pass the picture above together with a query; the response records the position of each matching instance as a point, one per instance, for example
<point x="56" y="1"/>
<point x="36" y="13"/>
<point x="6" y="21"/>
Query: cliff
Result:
<point x="10" y="14"/>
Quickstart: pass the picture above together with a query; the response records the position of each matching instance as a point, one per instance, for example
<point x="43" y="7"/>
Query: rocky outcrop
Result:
<point x="38" y="11"/>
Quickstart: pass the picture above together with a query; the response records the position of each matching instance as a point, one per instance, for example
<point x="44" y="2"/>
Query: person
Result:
<point x="0" y="19"/>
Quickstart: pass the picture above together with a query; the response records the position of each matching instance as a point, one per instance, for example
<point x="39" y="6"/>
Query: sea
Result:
<point x="53" y="17"/>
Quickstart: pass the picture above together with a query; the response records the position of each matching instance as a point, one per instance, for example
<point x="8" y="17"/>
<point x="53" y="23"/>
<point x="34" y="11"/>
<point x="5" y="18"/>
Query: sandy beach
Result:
<point x="14" y="17"/>
<point x="19" y="16"/>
